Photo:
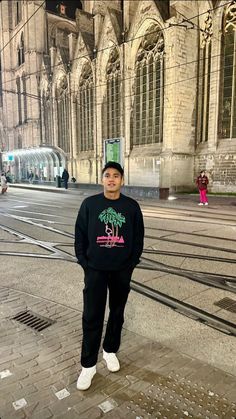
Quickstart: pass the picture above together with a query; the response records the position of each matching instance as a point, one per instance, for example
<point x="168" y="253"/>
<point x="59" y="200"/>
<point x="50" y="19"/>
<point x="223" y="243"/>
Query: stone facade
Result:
<point x="155" y="75"/>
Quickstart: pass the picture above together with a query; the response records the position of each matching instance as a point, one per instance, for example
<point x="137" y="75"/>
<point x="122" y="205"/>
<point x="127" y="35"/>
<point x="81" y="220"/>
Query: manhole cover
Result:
<point x="227" y="304"/>
<point x="33" y="320"/>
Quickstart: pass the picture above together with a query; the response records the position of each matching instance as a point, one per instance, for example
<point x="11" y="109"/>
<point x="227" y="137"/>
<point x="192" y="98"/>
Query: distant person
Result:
<point x="109" y="236"/>
<point x="31" y="177"/>
<point x="202" y="182"/>
<point x="3" y="183"/>
<point x="8" y="176"/>
<point x="65" y="177"/>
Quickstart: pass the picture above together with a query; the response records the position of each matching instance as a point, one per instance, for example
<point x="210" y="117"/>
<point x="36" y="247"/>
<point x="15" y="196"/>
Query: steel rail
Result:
<point x="185" y="309"/>
<point x="225" y="282"/>
<point x="187" y="233"/>
<point x="188" y="255"/>
<point x="204" y="246"/>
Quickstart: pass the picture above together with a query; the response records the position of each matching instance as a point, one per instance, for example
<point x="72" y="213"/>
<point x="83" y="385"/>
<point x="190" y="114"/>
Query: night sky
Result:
<point x="72" y="5"/>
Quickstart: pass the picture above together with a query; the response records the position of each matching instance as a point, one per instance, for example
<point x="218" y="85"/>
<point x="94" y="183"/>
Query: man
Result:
<point x="65" y="177"/>
<point x="3" y="183"/>
<point x="31" y="176"/>
<point x="109" y="235"/>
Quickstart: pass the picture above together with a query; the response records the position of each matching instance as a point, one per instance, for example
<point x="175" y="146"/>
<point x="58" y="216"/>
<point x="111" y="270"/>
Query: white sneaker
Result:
<point x="206" y="203"/>
<point x="200" y="203"/>
<point x="85" y="378"/>
<point x="112" y="361"/>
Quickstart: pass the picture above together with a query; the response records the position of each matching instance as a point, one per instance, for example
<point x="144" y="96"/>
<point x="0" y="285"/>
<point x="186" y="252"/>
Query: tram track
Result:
<point x="186" y="233"/>
<point x="224" y="282"/>
<point x="188" y="255"/>
<point x="185" y="309"/>
<point x="199" y="245"/>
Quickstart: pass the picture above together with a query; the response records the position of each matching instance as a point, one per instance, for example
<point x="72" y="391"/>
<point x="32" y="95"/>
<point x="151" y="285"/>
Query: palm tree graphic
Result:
<point x="110" y="216"/>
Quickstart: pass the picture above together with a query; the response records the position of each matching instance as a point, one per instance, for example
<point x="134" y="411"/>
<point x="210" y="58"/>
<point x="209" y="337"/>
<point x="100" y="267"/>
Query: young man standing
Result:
<point x="109" y="234"/>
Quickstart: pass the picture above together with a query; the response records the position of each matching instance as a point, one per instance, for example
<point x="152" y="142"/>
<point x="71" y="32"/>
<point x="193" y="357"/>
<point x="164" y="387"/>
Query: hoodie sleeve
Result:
<point x="138" y="236"/>
<point x="81" y="235"/>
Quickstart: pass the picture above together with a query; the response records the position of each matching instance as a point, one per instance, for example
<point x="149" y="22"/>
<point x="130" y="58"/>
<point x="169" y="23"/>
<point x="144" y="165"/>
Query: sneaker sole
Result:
<point x="87" y="387"/>
<point x="111" y="370"/>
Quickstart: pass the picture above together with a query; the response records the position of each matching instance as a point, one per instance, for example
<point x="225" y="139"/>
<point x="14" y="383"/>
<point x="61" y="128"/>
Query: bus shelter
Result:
<point x="39" y="163"/>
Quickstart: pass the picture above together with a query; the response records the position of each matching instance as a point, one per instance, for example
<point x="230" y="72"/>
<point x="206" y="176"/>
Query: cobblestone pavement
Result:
<point x="39" y="369"/>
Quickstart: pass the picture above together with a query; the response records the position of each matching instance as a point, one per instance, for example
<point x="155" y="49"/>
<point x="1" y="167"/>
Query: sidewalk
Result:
<point x="37" y="187"/>
<point x="38" y="373"/>
<point x="175" y="199"/>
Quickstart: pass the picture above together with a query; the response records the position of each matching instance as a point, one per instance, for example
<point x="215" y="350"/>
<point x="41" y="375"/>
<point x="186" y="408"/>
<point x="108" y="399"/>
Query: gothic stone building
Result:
<point x="150" y="83"/>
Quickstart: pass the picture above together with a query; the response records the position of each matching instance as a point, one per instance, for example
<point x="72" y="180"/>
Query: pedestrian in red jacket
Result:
<point x="202" y="182"/>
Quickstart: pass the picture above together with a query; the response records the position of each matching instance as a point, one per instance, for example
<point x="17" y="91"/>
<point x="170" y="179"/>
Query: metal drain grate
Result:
<point x="227" y="304"/>
<point x="33" y="320"/>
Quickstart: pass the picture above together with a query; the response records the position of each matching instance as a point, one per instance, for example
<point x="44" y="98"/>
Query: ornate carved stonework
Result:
<point x="62" y="86"/>
<point x="113" y="64"/>
<point x="152" y="42"/>
<point x="99" y="7"/>
<point x="86" y="76"/>
<point x="207" y="31"/>
<point x="230" y="16"/>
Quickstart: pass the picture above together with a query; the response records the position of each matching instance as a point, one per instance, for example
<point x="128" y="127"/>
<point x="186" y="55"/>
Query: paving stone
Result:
<point x="8" y="358"/>
<point x="24" y="391"/>
<point x="51" y="381"/>
<point x="12" y="414"/>
<point x="92" y="400"/>
<point x="61" y="366"/>
<point x="26" y="358"/>
<point x="42" y="414"/>
<point x="154" y="381"/>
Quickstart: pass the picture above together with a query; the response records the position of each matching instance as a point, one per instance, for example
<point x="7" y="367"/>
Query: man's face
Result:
<point x="112" y="180"/>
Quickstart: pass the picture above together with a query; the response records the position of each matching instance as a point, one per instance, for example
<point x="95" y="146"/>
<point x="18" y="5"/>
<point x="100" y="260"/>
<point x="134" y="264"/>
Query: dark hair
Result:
<point x="113" y="165"/>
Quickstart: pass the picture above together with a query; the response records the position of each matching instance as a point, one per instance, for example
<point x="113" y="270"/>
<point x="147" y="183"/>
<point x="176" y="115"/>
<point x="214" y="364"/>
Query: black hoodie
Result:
<point x="109" y="233"/>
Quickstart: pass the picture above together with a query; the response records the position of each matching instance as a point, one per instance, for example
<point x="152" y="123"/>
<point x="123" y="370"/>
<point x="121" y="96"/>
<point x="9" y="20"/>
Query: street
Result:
<point x="183" y="292"/>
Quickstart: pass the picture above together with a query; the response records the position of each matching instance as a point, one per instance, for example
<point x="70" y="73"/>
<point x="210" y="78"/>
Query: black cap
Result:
<point x="113" y="165"/>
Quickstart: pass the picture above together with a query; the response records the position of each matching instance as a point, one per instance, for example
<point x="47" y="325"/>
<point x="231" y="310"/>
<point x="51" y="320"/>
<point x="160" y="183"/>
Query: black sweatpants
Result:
<point x="95" y="295"/>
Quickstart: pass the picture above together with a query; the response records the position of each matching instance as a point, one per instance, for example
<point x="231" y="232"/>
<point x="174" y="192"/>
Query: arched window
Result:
<point x="24" y="96"/>
<point x="19" y="142"/>
<point x="227" y="118"/>
<point x="21" y="51"/>
<point x="111" y="124"/>
<point x="84" y="110"/>
<point x="204" y="81"/>
<point x="47" y="117"/>
<point x="147" y="113"/>
<point x="63" y="115"/>
<point x="18" y="89"/>
<point x="18" y="11"/>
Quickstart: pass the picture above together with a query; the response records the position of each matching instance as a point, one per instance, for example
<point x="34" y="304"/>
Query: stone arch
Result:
<point x="146" y="26"/>
<point x="227" y="109"/>
<point x="62" y="102"/>
<point x="148" y="89"/>
<point x="84" y="104"/>
<point x="111" y="102"/>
